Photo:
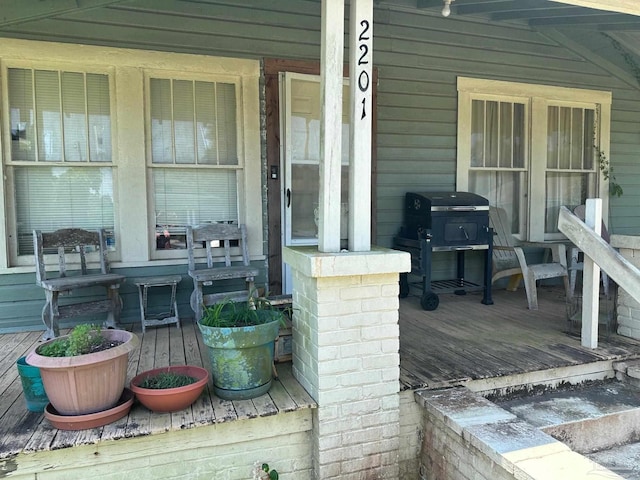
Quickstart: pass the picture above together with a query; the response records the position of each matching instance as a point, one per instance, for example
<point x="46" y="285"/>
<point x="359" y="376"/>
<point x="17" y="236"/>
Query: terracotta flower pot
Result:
<point x="88" y="383"/>
<point x="170" y="399"/>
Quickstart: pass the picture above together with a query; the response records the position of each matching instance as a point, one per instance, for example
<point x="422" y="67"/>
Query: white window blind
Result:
<point x="193" y="122"/>
<point x="189" y="197"/>
<point x="55" y="197"/>
<point x="60" y="126"/>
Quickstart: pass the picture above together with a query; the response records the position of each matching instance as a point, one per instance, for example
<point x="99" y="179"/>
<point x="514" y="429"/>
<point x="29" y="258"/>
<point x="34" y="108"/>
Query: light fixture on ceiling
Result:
<point x="446" y="10"/>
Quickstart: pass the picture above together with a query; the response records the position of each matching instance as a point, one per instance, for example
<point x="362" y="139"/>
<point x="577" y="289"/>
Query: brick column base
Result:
<point x="345" y="353"/>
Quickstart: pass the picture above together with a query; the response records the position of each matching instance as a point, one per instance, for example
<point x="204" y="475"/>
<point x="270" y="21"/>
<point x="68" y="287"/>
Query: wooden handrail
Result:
<point x="623" y="272"/>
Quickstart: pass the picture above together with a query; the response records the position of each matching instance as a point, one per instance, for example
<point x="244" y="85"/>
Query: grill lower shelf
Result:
<point x="421" y="252"/>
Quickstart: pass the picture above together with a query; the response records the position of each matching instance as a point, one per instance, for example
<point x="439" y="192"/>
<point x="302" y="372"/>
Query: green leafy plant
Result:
<point x="83" y="339"/>
<point x="165" y="380"/>
<point x="229" y="313"/>
<point x="263" y="472"/>
<point x="615" y="190"/>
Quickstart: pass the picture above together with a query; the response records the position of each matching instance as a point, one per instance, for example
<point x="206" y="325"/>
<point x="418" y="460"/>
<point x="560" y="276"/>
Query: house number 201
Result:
<point x="364" y="81"/>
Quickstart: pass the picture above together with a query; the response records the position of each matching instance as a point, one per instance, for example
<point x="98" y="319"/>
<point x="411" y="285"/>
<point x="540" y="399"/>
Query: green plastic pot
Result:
<point x="241" y="359"/>
<point x="32" y="387"/>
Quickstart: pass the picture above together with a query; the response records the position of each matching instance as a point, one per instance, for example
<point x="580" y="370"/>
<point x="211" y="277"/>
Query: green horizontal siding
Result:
<point x="419" y="55"/>
<point x="21" y="300"/>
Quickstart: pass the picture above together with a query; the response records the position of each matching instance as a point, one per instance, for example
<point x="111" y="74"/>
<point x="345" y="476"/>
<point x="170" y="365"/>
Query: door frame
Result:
<point x="272" y="68"/>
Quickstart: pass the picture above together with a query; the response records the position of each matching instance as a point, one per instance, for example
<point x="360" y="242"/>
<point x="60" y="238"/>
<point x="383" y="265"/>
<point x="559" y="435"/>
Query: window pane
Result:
<point x="568" y="189"/>
<point x="49" y="198"/>
<point x="207" y="129"/>
<point x="22" y="115"/>
<point x="519" y="136"/>
<point x="48" y="116"/>
<point x="506" y="134"/>
<point x="99" y="118"/>
<point x="504" y="190"/>
<point x="492" y="134"/>
<point x="183" y="121"/>
<point x="75" y="122"/>
<point x="161" y="121"/>
<point x="589" y="138"/>
<point x="226" y="114"/>
<point x="564" y="138"/>
<point x="189" y="197"/>
<point x="552" y="137"/>
<point x="577" y="137"/>
<point x="477" y="133"/>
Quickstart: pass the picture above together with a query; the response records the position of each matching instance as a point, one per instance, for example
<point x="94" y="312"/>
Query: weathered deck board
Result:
<point x="463" y="340"/>
<point x="26" y="431"/>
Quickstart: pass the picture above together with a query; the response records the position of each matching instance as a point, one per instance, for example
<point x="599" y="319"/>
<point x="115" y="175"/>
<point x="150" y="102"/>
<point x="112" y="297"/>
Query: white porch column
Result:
<point x="331" y="59"/>
<point x="361" y="87"/>
<point x="346" y="355"/>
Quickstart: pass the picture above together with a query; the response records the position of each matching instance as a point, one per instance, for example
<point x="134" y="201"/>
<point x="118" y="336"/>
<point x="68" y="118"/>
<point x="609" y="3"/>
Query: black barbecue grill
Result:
<point x="444" y="222"/>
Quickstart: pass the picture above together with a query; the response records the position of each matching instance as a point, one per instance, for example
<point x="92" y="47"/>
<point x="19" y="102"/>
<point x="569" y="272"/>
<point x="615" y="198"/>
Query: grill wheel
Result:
<point x="429" y="301"/>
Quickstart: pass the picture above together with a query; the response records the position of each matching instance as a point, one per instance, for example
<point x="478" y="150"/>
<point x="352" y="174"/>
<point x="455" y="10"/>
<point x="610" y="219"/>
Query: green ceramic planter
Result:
<point x="241" y="359"/>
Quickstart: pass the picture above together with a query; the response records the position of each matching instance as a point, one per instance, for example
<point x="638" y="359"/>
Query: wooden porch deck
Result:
<point x="463" y="340"/>
<point x="24" y="431"/>
<point x="460" y="342"/>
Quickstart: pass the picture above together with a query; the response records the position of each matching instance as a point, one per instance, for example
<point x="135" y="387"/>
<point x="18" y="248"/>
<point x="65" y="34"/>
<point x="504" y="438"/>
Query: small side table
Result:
<point x="166" y="318"/>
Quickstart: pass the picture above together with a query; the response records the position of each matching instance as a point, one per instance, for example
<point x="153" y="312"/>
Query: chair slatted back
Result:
<point x="69" y="241"/>
<point x="502" y="237"/>
<point x="224" y="235"/>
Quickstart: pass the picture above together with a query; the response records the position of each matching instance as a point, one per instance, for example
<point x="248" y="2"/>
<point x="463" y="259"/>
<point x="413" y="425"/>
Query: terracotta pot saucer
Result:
<point x="90" y="420"/>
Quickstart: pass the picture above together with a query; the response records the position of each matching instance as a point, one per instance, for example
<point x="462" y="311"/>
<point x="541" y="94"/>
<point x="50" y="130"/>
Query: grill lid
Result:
<point x="421" y="203"/>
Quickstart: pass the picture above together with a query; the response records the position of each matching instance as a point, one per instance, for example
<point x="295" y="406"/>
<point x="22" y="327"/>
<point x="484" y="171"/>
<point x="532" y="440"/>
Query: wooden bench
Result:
<point x="217" y="240"/>
<point x="72" y="246"/>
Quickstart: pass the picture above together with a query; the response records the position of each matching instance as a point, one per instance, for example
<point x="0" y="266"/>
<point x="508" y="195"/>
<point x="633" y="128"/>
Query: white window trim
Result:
<point x="127" y="68"/>
<point x="239" y="168"/>
<point x="536" y="97"/>
<point x="9" y="255"/>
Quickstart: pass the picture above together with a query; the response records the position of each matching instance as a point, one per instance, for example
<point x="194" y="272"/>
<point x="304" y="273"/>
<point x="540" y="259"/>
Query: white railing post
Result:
<point x="591" y="279"/>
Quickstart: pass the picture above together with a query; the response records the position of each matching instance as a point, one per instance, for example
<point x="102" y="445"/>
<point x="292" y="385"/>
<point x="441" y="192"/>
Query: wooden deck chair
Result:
<point x="218" y="240"/>
<point x="576" y="262"/>
<point x="72" y="246"/>
<point x="509" y="259"/>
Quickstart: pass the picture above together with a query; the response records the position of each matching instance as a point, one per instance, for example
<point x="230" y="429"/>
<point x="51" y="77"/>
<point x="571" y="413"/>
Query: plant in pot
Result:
<point x="169" y="389"/>
<point x="240" y="339"/>
<point x="84" y="372"/>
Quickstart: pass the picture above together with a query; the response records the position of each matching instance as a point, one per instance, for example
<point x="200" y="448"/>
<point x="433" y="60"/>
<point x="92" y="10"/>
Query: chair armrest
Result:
<point x="558" y="250"/>
<point x="503" y="247"/>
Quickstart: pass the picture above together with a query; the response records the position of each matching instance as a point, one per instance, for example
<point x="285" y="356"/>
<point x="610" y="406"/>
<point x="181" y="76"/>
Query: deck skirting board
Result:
<point x="213" y="451"/>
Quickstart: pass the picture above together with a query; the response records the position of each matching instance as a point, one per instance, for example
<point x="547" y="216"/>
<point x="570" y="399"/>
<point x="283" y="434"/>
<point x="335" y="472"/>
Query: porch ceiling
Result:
<point x="546" y="13"/>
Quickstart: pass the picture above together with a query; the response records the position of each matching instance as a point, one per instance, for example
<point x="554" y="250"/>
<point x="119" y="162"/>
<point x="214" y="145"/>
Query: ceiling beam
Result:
<point x="14" y="12"/>
<point x="631" y="7"/>
<point x="505" y="5"/>
<point x="584" y="20"/>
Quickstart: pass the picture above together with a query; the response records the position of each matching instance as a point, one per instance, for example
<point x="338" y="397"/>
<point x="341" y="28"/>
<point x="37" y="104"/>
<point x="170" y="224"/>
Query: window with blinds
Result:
<point x="60" y="125"/>
<point x="194" y="156"/>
